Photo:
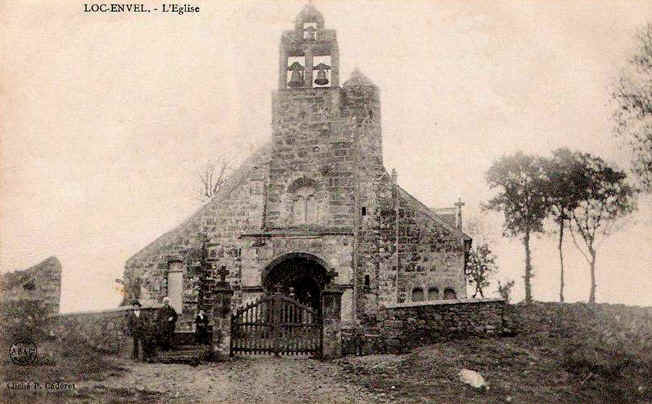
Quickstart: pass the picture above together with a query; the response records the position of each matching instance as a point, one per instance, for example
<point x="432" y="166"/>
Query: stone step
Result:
<point x="186" y="354"/>
<point x="183" y="349"/>
<point x="182" y="338"/>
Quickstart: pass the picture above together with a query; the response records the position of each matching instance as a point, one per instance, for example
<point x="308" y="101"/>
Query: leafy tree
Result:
<point x="605" y="198"/>
<point x="520" y="180"/>
<point x="564" y="186"/>
<point x="634" y="114"/>
<point x="481" y="264"/>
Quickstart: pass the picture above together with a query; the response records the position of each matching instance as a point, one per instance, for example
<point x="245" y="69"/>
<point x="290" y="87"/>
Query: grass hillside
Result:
<point x="568" y="353"/>
<point x="571" y="353"/>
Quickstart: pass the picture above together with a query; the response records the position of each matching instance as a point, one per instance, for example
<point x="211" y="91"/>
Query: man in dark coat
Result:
<point x="201" y="328"/>
<point x="167" y="319"/>
<point x="150" y="334"/>
<point x="136" y="327"/>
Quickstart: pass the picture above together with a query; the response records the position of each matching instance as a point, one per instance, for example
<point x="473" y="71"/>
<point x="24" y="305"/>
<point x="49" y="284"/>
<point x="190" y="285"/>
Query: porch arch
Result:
<point x="303" y="274"/>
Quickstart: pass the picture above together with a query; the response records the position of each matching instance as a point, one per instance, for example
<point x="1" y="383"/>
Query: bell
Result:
<point x="321" y="79"/>
<point x="296" y="79"/>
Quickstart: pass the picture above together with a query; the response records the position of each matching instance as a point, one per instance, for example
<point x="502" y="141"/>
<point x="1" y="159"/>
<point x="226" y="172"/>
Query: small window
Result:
<point x="364" y="211"/>
<point x="417" y="295"/>
<point x="449" y="294"/>
<point x="433" y="293"/>
<point x="367" y="281"/>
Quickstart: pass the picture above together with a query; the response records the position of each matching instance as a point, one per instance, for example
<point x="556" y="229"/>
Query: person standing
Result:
<point x="167" y="320"/>
<point x="136" y="327"/>
<point x="151" y="327"/>
<point x="201" y="328"/>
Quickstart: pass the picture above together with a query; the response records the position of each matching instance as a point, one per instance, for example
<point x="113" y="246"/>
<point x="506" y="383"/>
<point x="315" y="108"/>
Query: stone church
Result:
<point x="313" y="207"/>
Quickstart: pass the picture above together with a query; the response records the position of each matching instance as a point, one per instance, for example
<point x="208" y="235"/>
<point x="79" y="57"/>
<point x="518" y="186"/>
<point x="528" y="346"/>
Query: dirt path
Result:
<point x="260" y="380"/>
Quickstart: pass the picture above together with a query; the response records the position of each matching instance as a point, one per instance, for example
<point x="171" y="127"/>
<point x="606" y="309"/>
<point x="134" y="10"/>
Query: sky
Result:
<point x="106" y="119"/>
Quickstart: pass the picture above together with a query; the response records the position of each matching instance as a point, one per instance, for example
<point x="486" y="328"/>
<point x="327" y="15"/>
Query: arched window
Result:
<point x="433" y="293"/>
<point x="449" y="294"/>
<point x="304" y="204"/>
<point x="304" y="209"/>
<point x="417" y="295"/>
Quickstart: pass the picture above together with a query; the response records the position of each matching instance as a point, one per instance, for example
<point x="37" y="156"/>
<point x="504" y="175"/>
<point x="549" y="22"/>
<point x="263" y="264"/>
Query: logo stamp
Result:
<point x="23" y="352"/>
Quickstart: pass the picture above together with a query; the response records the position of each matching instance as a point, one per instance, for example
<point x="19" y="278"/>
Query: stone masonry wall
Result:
<point x="40" y="282"/>
<point x="311" y="143"/>
<point x="431" y="253"/>
<point x="404" y="326"/>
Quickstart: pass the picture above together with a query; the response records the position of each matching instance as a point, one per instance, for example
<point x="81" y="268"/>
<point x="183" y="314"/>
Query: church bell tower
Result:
<point x="325" y="138"/>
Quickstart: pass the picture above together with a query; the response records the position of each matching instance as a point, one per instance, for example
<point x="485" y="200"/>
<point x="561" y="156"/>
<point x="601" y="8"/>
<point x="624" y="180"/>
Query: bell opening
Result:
<point x="296" y="72"/>
<point x="322" y="70"/>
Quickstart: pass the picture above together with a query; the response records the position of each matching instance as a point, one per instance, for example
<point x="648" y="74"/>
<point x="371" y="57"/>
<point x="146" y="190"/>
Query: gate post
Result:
<point x="276" y="321"/>
<point x="222" y="321"/>
<point x="331" y="303"/>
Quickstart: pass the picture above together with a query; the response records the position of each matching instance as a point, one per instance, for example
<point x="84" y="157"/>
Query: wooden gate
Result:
<point x="276" y="325"/>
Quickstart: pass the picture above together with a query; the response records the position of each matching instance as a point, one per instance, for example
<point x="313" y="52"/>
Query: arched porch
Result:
<point x="302" y="276"/>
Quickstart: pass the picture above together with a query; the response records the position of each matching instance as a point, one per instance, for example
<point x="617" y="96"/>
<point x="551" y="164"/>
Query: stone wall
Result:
<point x="104" y="330"/>
<point x="408" y="325"/>
<point x="312" y="147"/>
<point x="40" y="282"/>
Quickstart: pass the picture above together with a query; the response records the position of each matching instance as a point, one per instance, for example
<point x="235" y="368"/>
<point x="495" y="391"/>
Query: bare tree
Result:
<point x="212" y="176"/>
